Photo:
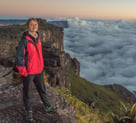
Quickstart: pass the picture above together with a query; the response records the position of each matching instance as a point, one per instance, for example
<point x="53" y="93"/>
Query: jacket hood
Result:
<point x="26" y="33"/>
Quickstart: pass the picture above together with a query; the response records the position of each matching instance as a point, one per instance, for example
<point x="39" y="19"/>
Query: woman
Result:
<point x="29" y="62"/>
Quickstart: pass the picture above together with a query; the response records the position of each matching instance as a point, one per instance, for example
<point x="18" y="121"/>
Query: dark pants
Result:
<point x="38" y="80"/>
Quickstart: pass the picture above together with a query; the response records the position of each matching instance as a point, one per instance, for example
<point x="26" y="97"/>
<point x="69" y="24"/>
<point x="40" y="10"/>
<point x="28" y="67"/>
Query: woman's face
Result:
<point x="33" y="26"/>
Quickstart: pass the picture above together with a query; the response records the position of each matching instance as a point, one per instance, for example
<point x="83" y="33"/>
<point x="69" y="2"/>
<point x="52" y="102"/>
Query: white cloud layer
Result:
<point x="106" y="50"/>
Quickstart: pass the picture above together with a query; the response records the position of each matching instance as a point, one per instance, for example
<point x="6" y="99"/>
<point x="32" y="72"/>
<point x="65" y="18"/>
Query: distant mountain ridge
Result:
<point x="122" y="91"/>
<point x="12" y="21"/>
<point x="63" y="24"/>
<point x="60" y="23"/>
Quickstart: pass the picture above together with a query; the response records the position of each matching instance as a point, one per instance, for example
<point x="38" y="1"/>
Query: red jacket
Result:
<point x="29" y="57"/>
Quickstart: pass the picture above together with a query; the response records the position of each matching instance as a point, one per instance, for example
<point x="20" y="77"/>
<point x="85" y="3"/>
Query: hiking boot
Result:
<point x="50" y="108"/>
<point x="29" y="116"/>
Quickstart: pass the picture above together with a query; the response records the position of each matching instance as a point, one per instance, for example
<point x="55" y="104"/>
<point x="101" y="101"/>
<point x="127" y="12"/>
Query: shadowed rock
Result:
<point x="12" y="109"/>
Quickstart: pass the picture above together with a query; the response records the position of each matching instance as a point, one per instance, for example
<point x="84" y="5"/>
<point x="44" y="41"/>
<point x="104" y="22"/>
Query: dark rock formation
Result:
<point x="16" y="114"/>
<point x="122" y="92"/>
<point x="57" y="62"/>
<point x="63" y="24"/>
<point x="11" y="105"/>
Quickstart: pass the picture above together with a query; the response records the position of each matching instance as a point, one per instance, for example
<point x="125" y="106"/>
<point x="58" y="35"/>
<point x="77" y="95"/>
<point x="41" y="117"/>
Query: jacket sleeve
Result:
<point x="20" y="58"/>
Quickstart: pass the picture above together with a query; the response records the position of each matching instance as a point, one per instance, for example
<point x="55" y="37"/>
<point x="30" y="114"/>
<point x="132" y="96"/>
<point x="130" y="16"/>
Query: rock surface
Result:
<point x="12" y="110"/>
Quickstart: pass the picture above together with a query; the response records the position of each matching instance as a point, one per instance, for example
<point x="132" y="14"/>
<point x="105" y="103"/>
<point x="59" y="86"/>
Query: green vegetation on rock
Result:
<point x="84" y="113"/>
<point x="94" y="95"/>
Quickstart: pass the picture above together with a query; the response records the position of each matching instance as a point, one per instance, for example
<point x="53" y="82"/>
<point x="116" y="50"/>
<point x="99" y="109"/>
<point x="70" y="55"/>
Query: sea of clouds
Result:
<point x="106" y="50"/>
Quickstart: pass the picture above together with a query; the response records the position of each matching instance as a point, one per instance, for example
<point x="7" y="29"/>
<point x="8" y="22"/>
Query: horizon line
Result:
<point x="59" y="17"/>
